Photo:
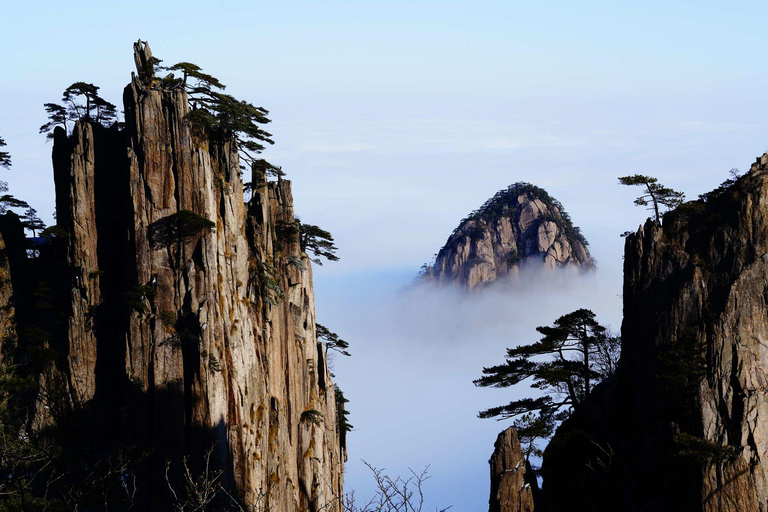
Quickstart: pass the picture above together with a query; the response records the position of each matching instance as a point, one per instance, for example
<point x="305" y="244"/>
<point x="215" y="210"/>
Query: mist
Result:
<point x="416" y="350"/>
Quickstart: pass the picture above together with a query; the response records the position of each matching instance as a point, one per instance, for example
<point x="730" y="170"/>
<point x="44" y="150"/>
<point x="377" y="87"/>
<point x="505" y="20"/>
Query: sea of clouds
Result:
<point x="416" y="350"/>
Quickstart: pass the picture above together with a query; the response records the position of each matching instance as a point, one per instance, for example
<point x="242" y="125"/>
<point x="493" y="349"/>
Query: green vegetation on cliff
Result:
<point x="573" y="355"/>
<point x="505" y="199"/>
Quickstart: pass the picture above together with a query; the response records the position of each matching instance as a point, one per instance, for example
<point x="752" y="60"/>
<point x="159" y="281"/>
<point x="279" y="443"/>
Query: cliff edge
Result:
<point x="682" y="426"/>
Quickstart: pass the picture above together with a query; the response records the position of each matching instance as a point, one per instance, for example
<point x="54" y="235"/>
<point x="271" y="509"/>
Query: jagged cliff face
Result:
<point x="513" y="484"/>
<point x="682" y="426"/>
<point x="519" y="224"/>
<point x="205" y="341"/>
<point x="702" y="280"/>
<point x="7" y="313"/>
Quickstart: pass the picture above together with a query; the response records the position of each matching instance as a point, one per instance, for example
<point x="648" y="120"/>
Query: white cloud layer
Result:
<point x="415" y="354"/>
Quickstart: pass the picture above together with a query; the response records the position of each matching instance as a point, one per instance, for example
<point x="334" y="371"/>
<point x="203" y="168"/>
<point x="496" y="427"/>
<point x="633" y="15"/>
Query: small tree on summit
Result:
<point x="31" y="221"/>
<point x="655" y="194"/>
<point x="214" y="111"/>
<point x="80" y="101"/>
<point x="204" y="80"/>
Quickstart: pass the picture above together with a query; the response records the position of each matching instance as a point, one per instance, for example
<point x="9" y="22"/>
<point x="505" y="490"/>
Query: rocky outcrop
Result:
<point x="697" y="287"/>
<point x="512" y="482"/>
<point x="183" y="343"/>
<point x="521" y="223"/>
<point x="7" y="311"/>
<point x="682" y="427"/>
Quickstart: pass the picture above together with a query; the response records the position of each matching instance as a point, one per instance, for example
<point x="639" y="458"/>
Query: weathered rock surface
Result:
<point x="683" y="426"/>
<point x="512" y="483"/>
<point x="702" y="280"/>
<point x="520" y="223"/>
<point x="7" y="312"/>
<point x="188" y="345"/>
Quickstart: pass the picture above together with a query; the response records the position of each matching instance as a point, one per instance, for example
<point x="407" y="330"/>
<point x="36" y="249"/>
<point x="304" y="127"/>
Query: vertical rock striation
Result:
<point x="520" y="223"/>
<point x="512" y="482"/>
<point x="701" y="281"/>
<point x="682" y="427"/>
<point x="198" y="342"/>
<point x="7" y="312"/>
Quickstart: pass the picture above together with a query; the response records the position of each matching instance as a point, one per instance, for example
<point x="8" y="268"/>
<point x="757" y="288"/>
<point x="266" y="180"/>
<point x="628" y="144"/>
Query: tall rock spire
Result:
<point x="201" y="343"/>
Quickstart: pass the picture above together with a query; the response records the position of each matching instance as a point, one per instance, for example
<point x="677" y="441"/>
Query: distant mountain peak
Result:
<point x="518" y="224"/>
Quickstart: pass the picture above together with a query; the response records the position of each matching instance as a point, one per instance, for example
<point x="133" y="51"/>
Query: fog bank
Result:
<point x="416" y="350"/>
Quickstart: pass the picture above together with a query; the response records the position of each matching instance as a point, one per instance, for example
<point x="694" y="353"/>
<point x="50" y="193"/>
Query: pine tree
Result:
<point x="655" y="195"/>
<point x="318" y="241"/>
<point x="565" y="363"/>
<point x="5" y="157"/>
<point x="7" y="201"/>
<point x="216" y="112"/>
<point x="31" y="221"/>
<point x="80" y="101"/>
<point x="332" y="340"/>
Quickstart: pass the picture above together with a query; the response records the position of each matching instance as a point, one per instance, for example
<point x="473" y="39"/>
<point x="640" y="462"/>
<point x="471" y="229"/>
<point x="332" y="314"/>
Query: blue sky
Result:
<point x="396" y="119"/>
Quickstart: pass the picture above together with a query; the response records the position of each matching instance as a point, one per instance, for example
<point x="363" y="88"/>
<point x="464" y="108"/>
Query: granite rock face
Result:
<point x="7" y="313"/>
<point x="701" y="280"/>
<point x="682" y="425"/>
<point x="521" y="223"/>
<point x="512" y="482"/>
<point x="195" y="344"/>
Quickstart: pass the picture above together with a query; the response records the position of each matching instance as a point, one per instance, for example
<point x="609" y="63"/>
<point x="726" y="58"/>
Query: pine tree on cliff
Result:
<point x="318" y="241"/>
<point x="332" y="340"/>
<point x="7" y="201"/>
<point x="566" y="363"/>
<point x="216" y="112"/>
<point x="178" y="229"/>
<point x="31" y="221"/>
<point x="5" y="157"/>
<point x="655" y="194"/>
<point x="80" y="101"/>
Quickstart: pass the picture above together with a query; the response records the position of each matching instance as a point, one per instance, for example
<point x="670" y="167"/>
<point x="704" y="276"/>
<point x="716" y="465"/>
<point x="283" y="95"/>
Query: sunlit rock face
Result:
<point x="682" y="426"/>
<point x="513" y="484"/>
<point x="178" y="346"/>
<point x="519" y="224"/>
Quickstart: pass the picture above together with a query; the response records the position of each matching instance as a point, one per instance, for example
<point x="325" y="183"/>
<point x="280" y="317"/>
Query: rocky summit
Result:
<point x="521" y="223"/>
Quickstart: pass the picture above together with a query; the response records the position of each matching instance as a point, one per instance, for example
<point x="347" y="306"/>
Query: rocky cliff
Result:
<point x="513" y="484"/>
<point x="696" y="288"/>
<point x="190" y="318"/>
<point x="682" y="427"/>
<point x="521" y="223"/>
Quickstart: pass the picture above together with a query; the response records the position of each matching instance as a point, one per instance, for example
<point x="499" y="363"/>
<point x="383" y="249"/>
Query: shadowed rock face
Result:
<point x="683" y="425"/>
<point x="512" y="482"/>
<point x="519" y="224"/>
<point x="701" y="280"/>
<point x="205" y="342"/>
<point x="7" y="313"/>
